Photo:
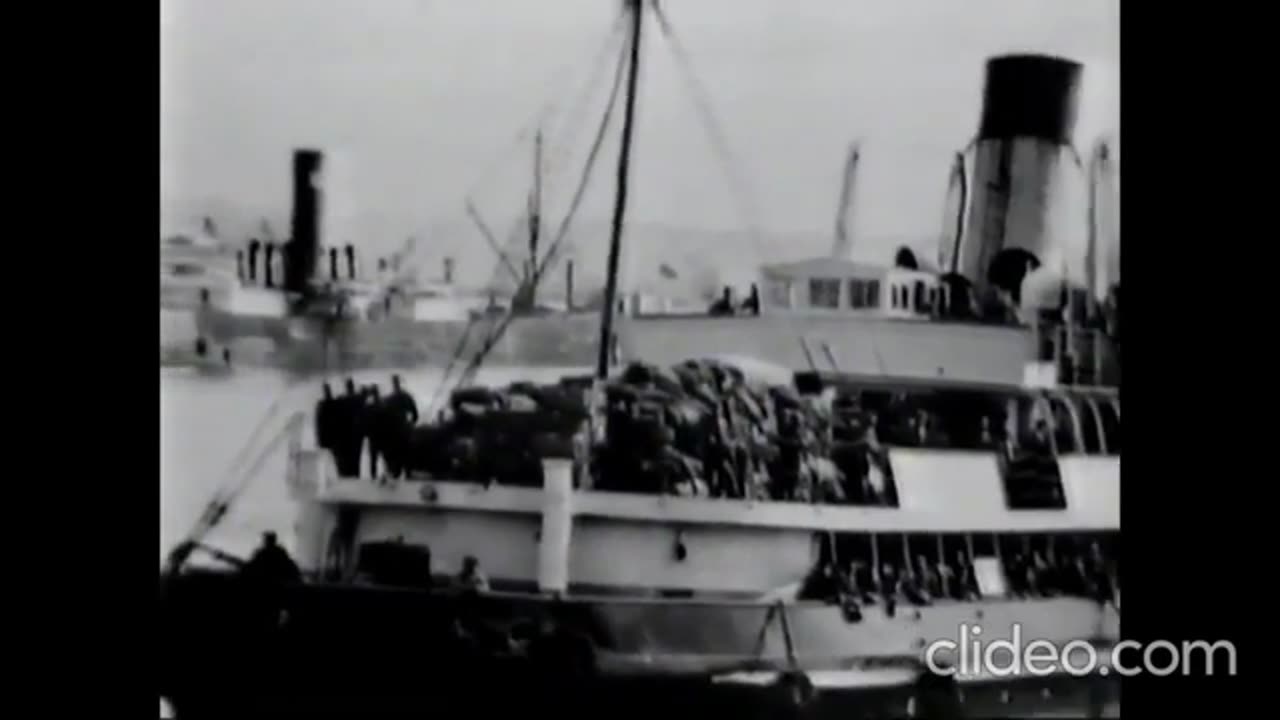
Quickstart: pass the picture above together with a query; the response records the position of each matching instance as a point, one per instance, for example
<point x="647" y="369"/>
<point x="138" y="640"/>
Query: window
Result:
<point x="779" y="293"/>
<point x="922" y="302"/>
<point x="864" y="293"/>
<point x="824" y="293"/>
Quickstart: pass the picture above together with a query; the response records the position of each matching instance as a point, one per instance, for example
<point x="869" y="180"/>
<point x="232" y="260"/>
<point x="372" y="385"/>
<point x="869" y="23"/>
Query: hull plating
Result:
<point x="310" y="632"/>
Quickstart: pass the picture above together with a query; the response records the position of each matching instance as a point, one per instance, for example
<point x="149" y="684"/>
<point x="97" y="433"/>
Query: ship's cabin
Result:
<point x="835" y="287"/>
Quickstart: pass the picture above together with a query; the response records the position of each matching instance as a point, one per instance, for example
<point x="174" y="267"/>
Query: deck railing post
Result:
<point x="557" y="526"/>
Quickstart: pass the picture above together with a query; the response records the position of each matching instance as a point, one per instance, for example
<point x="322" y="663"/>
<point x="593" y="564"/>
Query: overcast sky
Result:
<point x="422" y="99"/>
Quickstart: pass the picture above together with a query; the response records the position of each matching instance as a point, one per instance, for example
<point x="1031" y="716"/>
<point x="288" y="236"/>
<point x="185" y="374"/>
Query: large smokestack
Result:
<point x="1022" y="160"/>
<point x="304" y="236"/>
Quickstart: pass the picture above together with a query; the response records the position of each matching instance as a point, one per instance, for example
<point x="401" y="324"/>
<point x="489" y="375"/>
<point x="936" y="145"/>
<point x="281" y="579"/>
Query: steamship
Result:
<point x="616" y="590"/>
<point x="827" y="311"/>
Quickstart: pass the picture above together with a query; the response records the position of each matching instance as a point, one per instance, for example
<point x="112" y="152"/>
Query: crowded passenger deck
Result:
<point x="704" y="429"/>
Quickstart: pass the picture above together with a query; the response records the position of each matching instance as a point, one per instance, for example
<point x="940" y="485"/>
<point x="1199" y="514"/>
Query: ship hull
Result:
<point x="551" y="340"/>
<point x="870" y="346"/>
<point x="229" y="646"/>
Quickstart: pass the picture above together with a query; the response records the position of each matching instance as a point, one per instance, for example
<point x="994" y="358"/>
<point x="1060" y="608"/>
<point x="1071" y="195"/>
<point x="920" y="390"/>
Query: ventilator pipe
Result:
<point x="557" y="526"/>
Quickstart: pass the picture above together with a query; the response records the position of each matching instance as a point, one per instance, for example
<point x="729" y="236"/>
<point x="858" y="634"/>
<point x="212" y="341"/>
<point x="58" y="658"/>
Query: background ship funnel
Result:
<point x="303" y="248"/>
<point x="1022" y="162"/>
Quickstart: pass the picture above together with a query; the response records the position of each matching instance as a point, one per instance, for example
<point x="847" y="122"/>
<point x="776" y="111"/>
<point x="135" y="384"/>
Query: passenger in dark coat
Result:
<point x="325" y="418"/>
<point x="268" y="262"/>
<point x="271" y="563"/>
<point x="723" y="306"/>
<point x="254" y="246"/>
<point x="333" y="264"/>
<point x="347" y="410"/>
<point x="372" y="427"/>
<point x="399" y="416"/>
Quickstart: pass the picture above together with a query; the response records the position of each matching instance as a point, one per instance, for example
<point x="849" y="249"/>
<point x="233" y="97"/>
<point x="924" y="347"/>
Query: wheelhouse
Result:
<point x="835" y="287"/>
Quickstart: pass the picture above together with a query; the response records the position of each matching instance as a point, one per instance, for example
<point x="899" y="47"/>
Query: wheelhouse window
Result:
<point x="779" y="293"/>
<point x="824" y="293"/>
<point x="864" y="293"/>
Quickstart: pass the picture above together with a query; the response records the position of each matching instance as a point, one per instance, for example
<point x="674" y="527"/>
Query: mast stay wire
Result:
<point x="545" y="111"/>
<point x="234" y="481"/>
<point x="548" y="109"/>
<point x="410" y="259"/>
<point x="561" y="147"/>
<point x="555" y="250"/>
<point x="740" y="187"/>
<point x="580" y="192"/>
<point x="226" y="493"/>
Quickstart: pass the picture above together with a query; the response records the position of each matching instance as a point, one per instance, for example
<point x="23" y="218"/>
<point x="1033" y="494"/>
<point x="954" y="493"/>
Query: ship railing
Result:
<point x="1081" y="356"/>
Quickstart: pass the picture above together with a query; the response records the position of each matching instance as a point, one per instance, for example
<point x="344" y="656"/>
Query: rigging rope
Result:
<point x="233" y="483"/>
<point x="745" y="197"/>
<point x="547" y="110"/>
<point x="562" y="146"/>
<point x="580" y="192"/>
<point x="496" y="333"/>
<point x="578" y="110"/>
<point x="458" y="352"/>
<point x="223" y="498"/>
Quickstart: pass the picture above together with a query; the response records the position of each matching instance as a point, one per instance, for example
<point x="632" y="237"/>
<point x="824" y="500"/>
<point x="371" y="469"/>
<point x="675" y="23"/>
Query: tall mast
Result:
<point x="635" y="8"/>
<point x="1096" y="163"/>
<point x="535" y="219"/>
<point x="961" y="181"/>
<point x="844" y="241"/>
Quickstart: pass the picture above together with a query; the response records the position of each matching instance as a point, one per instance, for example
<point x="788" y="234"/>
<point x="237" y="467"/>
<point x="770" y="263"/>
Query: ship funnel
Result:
<point x="303" y="247"/>
<point x="1022" y="162"/>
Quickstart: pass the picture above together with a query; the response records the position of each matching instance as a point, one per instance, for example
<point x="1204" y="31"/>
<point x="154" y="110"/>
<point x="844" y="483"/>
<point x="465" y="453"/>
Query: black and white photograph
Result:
<point x="738" y="358"/>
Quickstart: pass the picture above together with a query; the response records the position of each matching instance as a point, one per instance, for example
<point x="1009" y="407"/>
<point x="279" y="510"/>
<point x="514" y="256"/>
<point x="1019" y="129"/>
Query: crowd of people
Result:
<point x="363" y="421"/>
<point x="700" y="428"/>
<point x="1070" y="572"/>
